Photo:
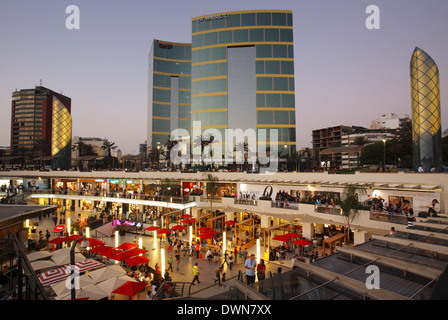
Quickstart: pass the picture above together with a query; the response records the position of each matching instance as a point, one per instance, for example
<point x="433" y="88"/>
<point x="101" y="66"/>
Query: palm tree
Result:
<point x="109" y="146"/>
<point x="169" y="145"/>
<point x="42" y="146"/>
<point x="212" y="187"/>
<point x="204" y="141"/>
<point x="349" y="205"/>
<point x="154" y="154"/>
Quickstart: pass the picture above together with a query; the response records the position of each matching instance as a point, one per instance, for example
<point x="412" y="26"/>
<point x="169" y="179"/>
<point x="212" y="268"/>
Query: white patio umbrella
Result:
<point x="62" y="288"/>
<point x="65" y="259"/>
<point x="106" y="273"/>
<point x="64" y="252"/>
<point x="92" y="292"/>
<point x="41" y="265"/>
<point x="33" y="256"/>
<point x="113" y="283"/>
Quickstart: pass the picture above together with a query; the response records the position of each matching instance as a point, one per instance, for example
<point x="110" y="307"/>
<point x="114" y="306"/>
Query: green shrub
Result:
<point x="423" y="214"/>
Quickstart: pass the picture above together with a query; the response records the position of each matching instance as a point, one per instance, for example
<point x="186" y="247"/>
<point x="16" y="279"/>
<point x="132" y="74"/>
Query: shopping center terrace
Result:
<point x="242" y="198"/>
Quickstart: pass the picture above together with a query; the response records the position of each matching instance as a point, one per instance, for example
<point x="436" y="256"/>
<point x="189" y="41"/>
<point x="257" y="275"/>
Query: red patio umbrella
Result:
<point x="293" y="235"/>
<point x="136" y="260"/>
<point x="179" y="227"/>
<point x="100" y="249"/>
<point x="205" y="229"/>
<point x="94" y="242"/>
<point x="282" y="238"/>
<point x="58" y="240"/>
<point x="206" y="235"/>
<point x="73" y="237"/>
<point x="161" y="231"/>
<point x="130" y="288"/>
<point x="187" y="221"/>
<point x="110" y="252"/>
<point x="302" y="242"/>
<point x="152" y="228"/>
<point x="230" y="222"/>
<point x="127" y="246"/>
<point x="186" y="216"/>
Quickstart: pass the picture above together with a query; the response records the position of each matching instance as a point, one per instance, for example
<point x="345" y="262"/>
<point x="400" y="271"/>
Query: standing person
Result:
<point x="293" y="262"/>
<point x="240" y="254"/>
<point x="245" y="254"/>
<point x="177" y="257"/>
<point x="170" y="263"/>
<point x="223" y="279"/>
<point x="235" y="253"/>
<point x="230" y="260"/>
<point x="197" y="248"/>
<point x="47" y="235"/>
<point x="55" y="218"/>
<point x="261" y="270"/>
<point x="218" y="275"/>
<point x="195" y="273"/>
<point x="250" y="265"/>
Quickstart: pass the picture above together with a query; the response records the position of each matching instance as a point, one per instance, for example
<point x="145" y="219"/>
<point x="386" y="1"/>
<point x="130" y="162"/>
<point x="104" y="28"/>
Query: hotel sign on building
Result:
<point x="217" y="17"/>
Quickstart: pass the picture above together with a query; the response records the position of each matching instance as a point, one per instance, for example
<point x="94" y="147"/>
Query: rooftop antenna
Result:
<point x="40" y="82"/>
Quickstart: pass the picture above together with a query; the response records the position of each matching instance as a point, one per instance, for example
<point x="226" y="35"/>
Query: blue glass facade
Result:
<point x="169" y="102"/>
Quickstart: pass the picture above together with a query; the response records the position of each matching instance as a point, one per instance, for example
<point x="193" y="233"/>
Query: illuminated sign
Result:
<point x="129" y="181"/>
<point x="114" y="181"/>
<point x="218" y="17"/>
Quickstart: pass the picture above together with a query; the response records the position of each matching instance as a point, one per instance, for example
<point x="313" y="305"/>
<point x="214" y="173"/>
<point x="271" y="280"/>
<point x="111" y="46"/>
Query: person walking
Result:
<point x="250" y="265"/>
<point x="195" y="273"/>
<point x="47" y="235"/>
<point x="177" y="257"/>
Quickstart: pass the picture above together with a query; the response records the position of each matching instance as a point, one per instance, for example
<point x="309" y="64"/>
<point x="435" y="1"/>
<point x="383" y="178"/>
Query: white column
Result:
<point x="360" y="237"/>
<point x="308" y="230"/>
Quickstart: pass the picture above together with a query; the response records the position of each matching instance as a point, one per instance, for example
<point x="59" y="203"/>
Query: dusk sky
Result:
<point x="344" y="73"/>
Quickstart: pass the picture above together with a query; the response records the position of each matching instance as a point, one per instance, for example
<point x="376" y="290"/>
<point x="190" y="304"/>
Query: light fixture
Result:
<point x="162" y="255"/>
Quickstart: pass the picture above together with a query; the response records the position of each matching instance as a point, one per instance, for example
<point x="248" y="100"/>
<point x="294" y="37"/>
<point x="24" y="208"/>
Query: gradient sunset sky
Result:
<point x="344" y="73"/>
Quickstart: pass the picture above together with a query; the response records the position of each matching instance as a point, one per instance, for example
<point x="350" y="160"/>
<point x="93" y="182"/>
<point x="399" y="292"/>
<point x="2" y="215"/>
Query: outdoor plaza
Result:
<point x="133" y="236"/>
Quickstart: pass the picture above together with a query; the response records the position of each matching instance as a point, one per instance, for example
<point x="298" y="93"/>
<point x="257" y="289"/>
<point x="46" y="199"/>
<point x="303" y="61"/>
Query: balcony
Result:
<point x="329" y="210"/>
<point x="246" y="202"/>
<point x="388" y="217"/>
<point x="285" y="205"/>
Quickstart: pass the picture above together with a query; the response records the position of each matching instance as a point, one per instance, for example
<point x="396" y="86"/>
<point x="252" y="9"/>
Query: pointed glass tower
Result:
<point x="426" y="119"/>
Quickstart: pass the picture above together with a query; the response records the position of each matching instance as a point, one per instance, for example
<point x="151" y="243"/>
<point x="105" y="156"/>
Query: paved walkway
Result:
<point x="205" y="288"/>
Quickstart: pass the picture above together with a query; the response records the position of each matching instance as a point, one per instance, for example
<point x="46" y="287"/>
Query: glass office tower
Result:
<point x="243" y="73"/>
<point x="41" y="123"/>
<point x="426" y="119"/>
<point x="169" y="90"/>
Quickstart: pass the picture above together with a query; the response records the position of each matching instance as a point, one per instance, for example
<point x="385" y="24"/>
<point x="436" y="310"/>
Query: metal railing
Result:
<point x="247" y="202"/>
<point x="388" y="217"/>
<point x="122" y="195"/>
<point x="328" y="210"/>
<point x="285" y="205"/>
<point x="175" y="290"/>
<point x="22" y="275"/>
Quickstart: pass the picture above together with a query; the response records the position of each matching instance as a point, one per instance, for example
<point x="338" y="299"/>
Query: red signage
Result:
<point x="59" y="228"/>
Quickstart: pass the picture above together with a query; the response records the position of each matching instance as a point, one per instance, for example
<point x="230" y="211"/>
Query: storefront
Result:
<point x="193" y="188"/>
<point x="71" y="185"/>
